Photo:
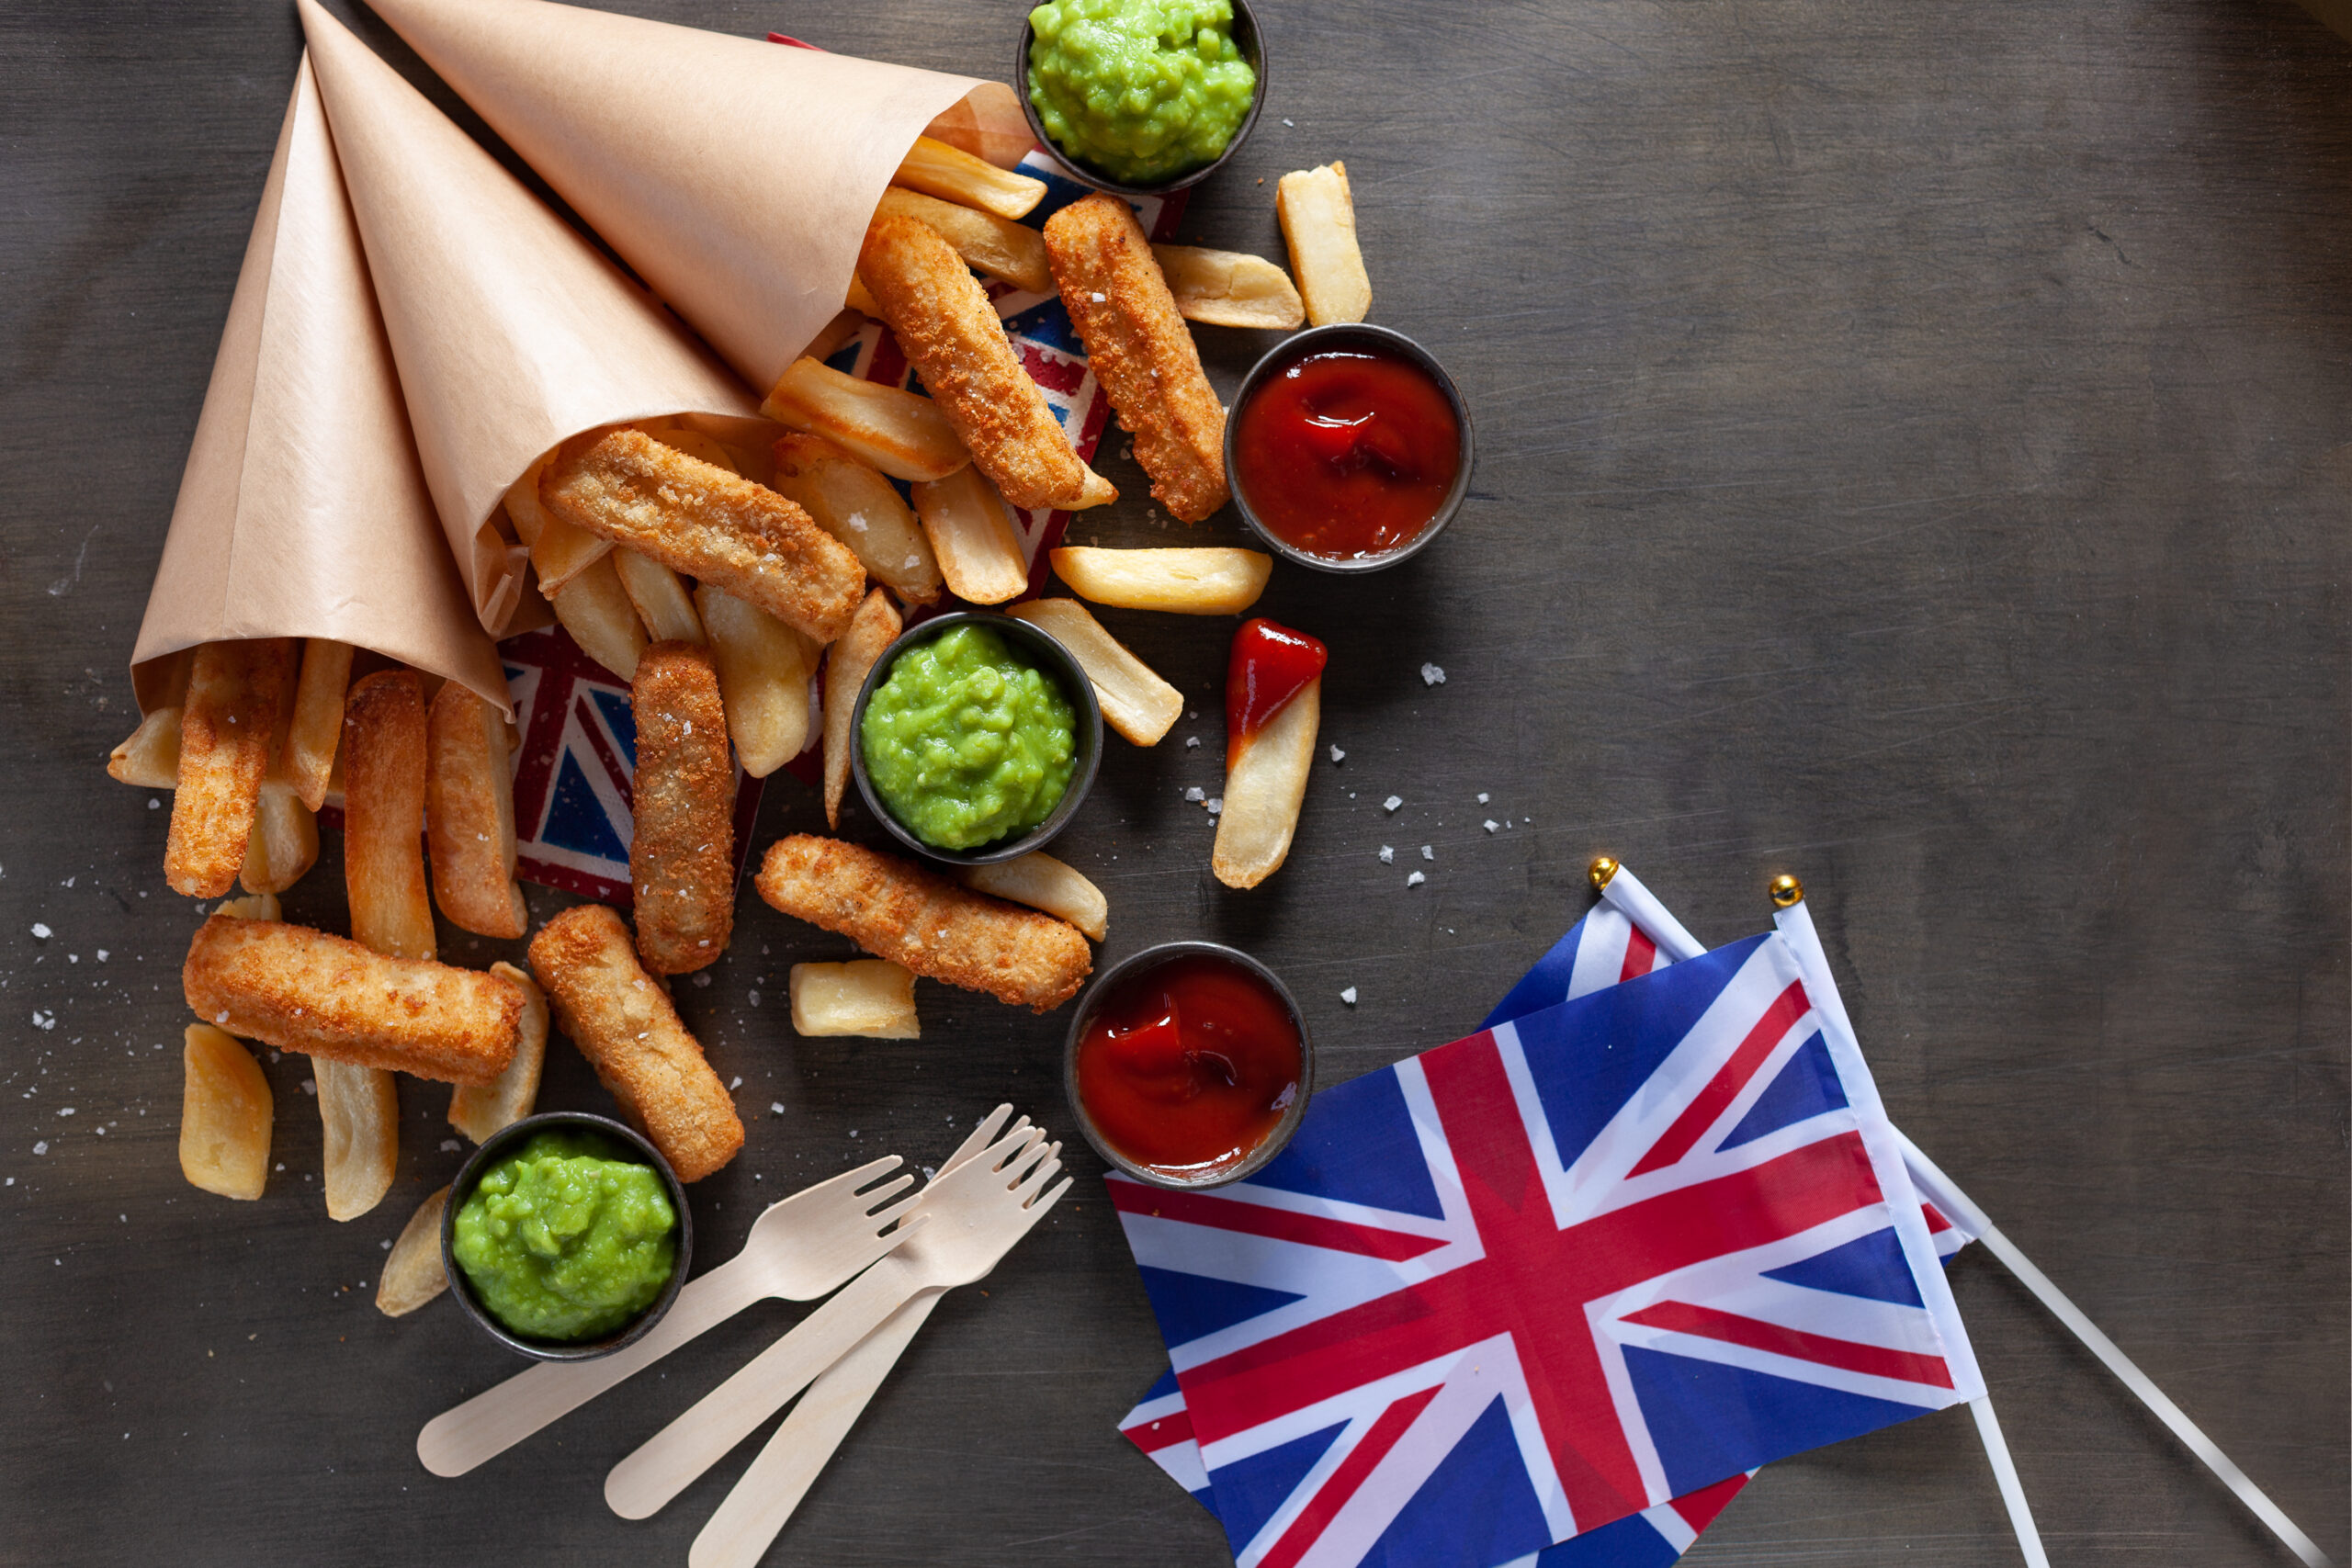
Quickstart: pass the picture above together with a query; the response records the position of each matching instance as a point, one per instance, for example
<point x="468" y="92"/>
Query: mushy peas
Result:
<point x="1139" y="90"/>
<point x="965" y="742"/>
<point x="562" y="1242"/>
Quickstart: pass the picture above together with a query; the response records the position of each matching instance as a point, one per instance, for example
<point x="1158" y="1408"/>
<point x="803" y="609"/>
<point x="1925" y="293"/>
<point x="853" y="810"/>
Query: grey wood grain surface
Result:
<point x="1914" y="454"/>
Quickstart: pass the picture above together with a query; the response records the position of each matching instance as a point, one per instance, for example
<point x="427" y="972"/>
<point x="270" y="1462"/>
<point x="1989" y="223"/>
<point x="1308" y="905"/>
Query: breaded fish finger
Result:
<point x="682" y="855"/>
<point x="942" y="319"/>
<point x="307" y="990"/>
<point x="623" y="1022"/>
<point x="1141" y="351"/>
<point x="717" y="527"/>
<point x="901" y="912"/>
<point x="236" y="692"/>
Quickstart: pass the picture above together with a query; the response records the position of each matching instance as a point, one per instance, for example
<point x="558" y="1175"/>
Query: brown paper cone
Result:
<point x="302" y="511"/>
<point x="735" y="175"/>
<point x="510" y="331"/>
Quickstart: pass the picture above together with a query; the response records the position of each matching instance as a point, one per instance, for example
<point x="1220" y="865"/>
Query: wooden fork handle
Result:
<point x="747" y="1523"/>
<point x="670" y="1461"/>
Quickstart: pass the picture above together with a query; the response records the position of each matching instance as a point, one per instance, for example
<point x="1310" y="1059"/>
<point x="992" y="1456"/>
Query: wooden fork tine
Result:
<point x="879" y="1195"/>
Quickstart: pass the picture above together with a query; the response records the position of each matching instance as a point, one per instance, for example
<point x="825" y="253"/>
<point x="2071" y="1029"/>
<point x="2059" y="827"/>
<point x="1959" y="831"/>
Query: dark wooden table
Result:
<point x="1913" y="454"/>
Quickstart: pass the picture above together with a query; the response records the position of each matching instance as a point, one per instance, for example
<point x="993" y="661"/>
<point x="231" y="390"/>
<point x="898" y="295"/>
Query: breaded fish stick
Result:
<point x="307" y="990"/>
<point x="624" y="1024"/>
<point x="236" y="692"/>
<point x="717" y="527"/>
<point x="926" y="923"/>
<point x="682" y="855"/>
<point x="942" y="319"/>
<point x="1142" y="351"/>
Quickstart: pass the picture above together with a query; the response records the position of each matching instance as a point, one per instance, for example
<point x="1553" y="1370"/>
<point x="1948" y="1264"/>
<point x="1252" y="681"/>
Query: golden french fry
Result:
<point x="1208" y="581"/>
<point x="871" y="997"/>
<point x="876" y="626"/>
<point x="763" y="670"/>
<point x="901" y="432"/>
<point x="225" y="1109"/>
<point x="307" y="758"/>
<point x="1040" y="881"/>
<point x="1318" y="218"/>
<point x="285" y="841"/>
<point x="972" y="533"/>
<point x="846" y="325"/>
<point x="559" y="552"/>
<point x="251" y="907"/>
<point x="479" y="1110"/>
<point x="1230" y="288"/>
<point x="1264" y="786"/>
<point x="596" y="609"/>
<point x="856" y="505"/>
<point x="360" y="1109"/>
<point x="997" y="246"/>
<point x="383" y="815"/>
<point x="662" y="600"/>
<point x="236" y="693"/>
<point x="1135" y="701"/>
<point x="413" y="1273"/>
<point x="860" y="299"/>
<point x="952" y="174"/>
<point x="523" y="508"/>
<point x="682" y="855"/>
<point x="470" y="814"/>
<point x="151" y="757"/>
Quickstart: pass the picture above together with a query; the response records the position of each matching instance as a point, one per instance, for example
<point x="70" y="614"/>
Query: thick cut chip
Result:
<point x="413" y="1273"/>
<point x="1230" y="288"/>
<point x="1318" y="218"/>
<point x="285" y="841"/>
<point x="997" y="246"/>
<point x="856" y="505"/>
<point x="1040" y="881"/>
<point x="470" y="814"/>
<point x="251" y="907"/>
<point x="1207" y="580"/>
<point x="596" y="609"/>
<point x="225" y="1110"/>
<point x="236" y="693"/>
<point x="972" y="533"/>
<point x="383" y="815"/>
<point x="307" y="758"/>
<point x="1264" y="788"/>
<point x="479" y="1110"/>
<point x="151" y="757"/>
<point x="1135" y="701"/>
<point x="660" y="598"/>
<point x="764" y="671"/>
<point x="682" y="853"/>
<point x="359" y="1112"/>
<point x="875" y="627"/>
<point x="871" y="997"/>
<point x="903" y="433"/>
<point x="952" y="174"/>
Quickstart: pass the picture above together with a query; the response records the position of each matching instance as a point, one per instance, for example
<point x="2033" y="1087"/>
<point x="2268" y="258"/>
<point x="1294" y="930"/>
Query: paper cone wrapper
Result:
<point x="736" y="177"/>
<point x="302" y="511"/>
<point x="510" y="330"/>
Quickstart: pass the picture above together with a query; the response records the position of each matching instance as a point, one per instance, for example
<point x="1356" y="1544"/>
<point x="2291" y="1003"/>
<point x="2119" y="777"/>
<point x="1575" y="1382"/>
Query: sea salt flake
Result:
<point x="1490" y="824"/>
<point x="1432" y="676"/>
<point x="41" y="1147"/>
<point x="1337" y="755"/>
<point x="310" y="1086"/>
<point x="40" y="931"/>
<point x="1428" y="853"/>
<point x="1388" y="854"/>
<point x="1217" y="803"/>
<point x="1192" y="743"/>
<point x="1482" y="798"/>
<point x="1392" y="803"/>
<point x="450" y="1145"/>
<point x="776" y="1107"/>
<point x="1414" y="880"/>
<point x="1349" y="996"/>
<point x="1197" y="794"/>
<point x="736" y="1085"/>
<point x="66" y="1111"/>
<point x="753" y="998"/>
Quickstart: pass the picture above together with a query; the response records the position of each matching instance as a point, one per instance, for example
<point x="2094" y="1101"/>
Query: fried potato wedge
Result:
<point x="479" y="1110"/>
<point x="682" y="854"/>
<point x="306" y="760"/>
<point x="875" y="627"/>
<point x="413" y="1273"/>
<point x="285" y="842"/>
<point x="359" y="1112"/>
<point x="596" y="609"/>
<point x="1264" y="786"/>
<point x="1040" y="881"/>
<point x="237" y="692"/>
<point x="251" y="907"/>
<point x="856" y="505"/>
<point x="1208" y="581"/>
<point x="952" y="174"/>
<point x="1012" y="252"/>
<point x="903" y="433"/>
<point x="871" y="997"/>
<point x="660" y="598"/>
<point x="1230" y="288"/>
<point x="1135" y="701"/>
<point x="225" y="1110"/>
<point x="764" y="671"/>
<point x="470" y="814"/>
<point x="972" y="533"/>
<point x="150" y="758"/>
<point x="1318" y="218"/>
<point x="384" y="774"/>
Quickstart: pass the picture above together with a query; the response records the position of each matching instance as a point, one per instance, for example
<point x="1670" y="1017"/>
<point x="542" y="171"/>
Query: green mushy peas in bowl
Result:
<point x="565" y="1238"/>
<point x="1139" y="90"/>
<point x="966" y="741"/>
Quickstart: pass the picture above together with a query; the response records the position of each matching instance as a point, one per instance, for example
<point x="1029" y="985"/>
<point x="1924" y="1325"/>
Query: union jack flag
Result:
<point x="1611" y="1255"/>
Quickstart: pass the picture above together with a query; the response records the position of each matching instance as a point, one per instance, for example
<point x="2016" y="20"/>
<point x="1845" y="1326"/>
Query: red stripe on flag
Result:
<point x="1352" y="1470"/>
<point x="1165" y="1433"/>
<point x="1729" y="1079"/>
<point x="1641" y="955"/>
<point x="1936" y="1221"/>
<point x="1699" y="1509"/>
<point x="1275" y="1224"/>
<point x="1874" y="1361"/>
<point x="1055" y="372"/>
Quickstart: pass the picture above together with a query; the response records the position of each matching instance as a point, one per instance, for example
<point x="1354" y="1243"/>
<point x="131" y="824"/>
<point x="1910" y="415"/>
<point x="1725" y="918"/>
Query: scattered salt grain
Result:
<point x="1192" y="741"/>
<point x="702" y="979"/>
<point x="384" y="1246"/>
<point x="41" y="1147"/>
<point x="1490" y="824"/>
<point x="776" y="1107"/>
<point x="102" y="955"/>
<point x="1388" y="854"/>
<point x="310" y="1086"/>
<point x="40" y="931"/>
<point x="753" y="998"/>
<point x="1337" y="755"/>
<point x="1286" y="122"/>
<point x="450" y="1145"/>
<point x="1482" y="798"/>
<point x="44" y="1019"/>
<point x="1414" y="880"/>
<point x="66" y="1111"/>
<point x="1098" y="298"/>
<point x="1349" y="996"/>
<point x="153" y="803"/>
<point x="1432" y="676"/>
<point x="1217" y="803"/>
<point x="1197" y="794"/>
<point x="736" y="1085"/>
<point x="1428" y="853"/>
<point x="1392" y="803"/>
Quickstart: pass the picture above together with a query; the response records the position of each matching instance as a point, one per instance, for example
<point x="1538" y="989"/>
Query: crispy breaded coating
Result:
<point x="236" y="692"/>
<point x="942" y="317"/>
<point x="919" y="921"/>
<point x="384" y="769"/>
<point x="307" y="990"/>
<point x="623" y="1022"/>
<point x="1141" y="351"/>
<point x="682" y="854"/>
<point x="715" y="526"/>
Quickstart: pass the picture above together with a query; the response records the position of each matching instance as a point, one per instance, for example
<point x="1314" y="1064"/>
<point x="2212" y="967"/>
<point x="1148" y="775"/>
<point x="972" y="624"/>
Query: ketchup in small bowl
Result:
<point x="1188" y="1064"/>
<point x="1350" y="447"/>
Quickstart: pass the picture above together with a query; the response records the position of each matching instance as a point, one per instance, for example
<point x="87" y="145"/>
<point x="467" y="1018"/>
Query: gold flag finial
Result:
<point x="1786" y="891"/>
<point x="1602" y="869"/>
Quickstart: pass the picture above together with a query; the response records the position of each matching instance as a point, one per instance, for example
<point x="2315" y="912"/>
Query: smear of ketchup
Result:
<point x="1269" y="664"/>
<point x="1189" y="1065"/>
<point x="1347" y="453"/>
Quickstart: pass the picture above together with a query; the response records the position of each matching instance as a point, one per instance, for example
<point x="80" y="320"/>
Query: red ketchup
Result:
<point x="1347" y="453"/>
<point x="1269" y="664"/>
<point x="1188" y="1067"/>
